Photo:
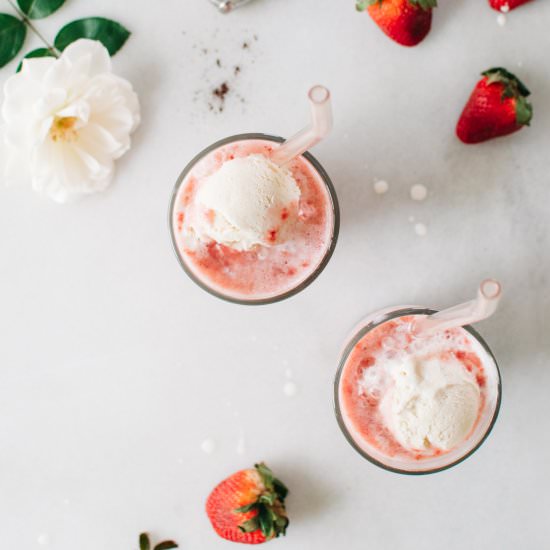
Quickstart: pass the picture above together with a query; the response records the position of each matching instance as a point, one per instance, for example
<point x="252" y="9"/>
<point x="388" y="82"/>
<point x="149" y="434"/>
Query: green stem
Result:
<point x="31" y="26"/>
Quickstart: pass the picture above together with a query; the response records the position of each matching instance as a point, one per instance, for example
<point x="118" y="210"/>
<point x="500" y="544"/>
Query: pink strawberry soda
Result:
<point x="284" y="255"/>
<point x="416" y="404"/>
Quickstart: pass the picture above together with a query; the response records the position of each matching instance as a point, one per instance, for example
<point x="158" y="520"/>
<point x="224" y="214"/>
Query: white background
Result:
<point x="114" y="367"/>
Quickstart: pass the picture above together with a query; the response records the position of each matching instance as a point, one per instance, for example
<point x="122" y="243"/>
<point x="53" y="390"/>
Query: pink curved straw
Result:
<point x="482" y="307"/>
<point x="321" y="124"/>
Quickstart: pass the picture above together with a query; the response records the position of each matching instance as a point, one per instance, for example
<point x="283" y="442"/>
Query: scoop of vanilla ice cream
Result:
<point x="246" y="202"/>
<point x="432" y="402"/>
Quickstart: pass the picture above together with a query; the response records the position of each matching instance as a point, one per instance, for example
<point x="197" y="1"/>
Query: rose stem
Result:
<point x="29" y="24"/>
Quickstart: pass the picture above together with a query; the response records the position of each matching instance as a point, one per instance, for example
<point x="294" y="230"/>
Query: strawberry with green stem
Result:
<point x="498" y="106"/>
<point x="248" y="506"/>
<point x="145" y="543"/>
<point x="405" y="21"/>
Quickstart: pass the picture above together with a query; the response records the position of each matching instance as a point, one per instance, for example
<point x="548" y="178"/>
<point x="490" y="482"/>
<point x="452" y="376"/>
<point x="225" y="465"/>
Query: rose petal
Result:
<point x="49" y="103"/>
<point x="79" y="109"/>
<point x="99" y="141"/>
<point x="34" y="68"/>
<point x="90" y="55"/>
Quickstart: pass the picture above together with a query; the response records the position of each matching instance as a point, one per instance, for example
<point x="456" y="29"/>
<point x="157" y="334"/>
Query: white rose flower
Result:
<point x="66" y="120"/>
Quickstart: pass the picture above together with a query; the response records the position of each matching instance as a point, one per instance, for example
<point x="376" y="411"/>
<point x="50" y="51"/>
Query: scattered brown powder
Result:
<point x="216" y="96"/>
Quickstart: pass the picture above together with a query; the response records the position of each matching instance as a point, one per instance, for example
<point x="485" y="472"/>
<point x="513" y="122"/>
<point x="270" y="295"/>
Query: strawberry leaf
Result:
<point x="524" y="112"/>
<point x="247" y="508"/>
<point x="266" y="523"/>
<point x="144" y="543"/>
<point x="268" y="498"/>
<point x="250" y="526"/>
<point x="424" y="4"/>
<point x="282" y="523"/>
<point x="362" y="5"/>
<point x="265" y="473"/>
<point x="280" y="488"/>
<point x="512" y="84"/>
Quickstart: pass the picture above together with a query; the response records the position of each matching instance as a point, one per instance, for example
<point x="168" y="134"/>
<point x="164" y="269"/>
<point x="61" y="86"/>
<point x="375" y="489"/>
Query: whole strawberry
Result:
<point x="248" y="506"/>
<point x="405" y="21"/>
<point x="497" y="107"/>
<point x="506" y="5"/>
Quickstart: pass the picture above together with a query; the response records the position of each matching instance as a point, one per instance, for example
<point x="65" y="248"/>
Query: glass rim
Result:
<point x="303" y="284"/>
<point x="371" y="325"/>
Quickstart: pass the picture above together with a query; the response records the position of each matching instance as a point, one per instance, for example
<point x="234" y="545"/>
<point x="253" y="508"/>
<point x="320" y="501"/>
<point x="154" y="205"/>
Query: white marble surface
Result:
<point x="114" y="367"/>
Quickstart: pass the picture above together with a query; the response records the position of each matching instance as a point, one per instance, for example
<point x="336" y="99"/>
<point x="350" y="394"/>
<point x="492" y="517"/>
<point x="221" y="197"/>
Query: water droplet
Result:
<point x="290" y="389"/>
<point x="420" y="229"/>
<point x="381" y="187"/>
<point x="43" y="539"/>
<point x="419" y="192"/>
<point x="208" y="446"/>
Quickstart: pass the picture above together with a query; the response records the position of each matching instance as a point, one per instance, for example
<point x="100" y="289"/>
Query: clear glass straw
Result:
<point x="321" y="124"/>
<point x="482" y="307"/>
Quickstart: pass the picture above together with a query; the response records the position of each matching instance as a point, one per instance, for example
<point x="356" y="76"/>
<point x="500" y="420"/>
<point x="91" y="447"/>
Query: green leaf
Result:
<point x="110" y="33"/>
<point x="513" y="85"/>
<point x="266" y="474"/>
<point x="166" y="545"/>
<point x="250" y="526"/>
<point x="266" y="522"/>
<point x="268" y="498"/>
<point x="144" y="543"/>
<point x="425" y="4"/>
<point x="524" y="111"/>
<point x="39" y="52"/>
<point x="36" y="9"/>
<point x="246" y="508"/>
<point x="280" y="488"/>
<point x="362" y="5"/>
<point x="282" y="523"/>
<point x="12" y="37"/>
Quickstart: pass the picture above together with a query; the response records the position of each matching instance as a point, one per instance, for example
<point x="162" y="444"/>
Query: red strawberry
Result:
<point x="405" y="21"/>
<point x="506" y="5"/>
<point x="249" y="506"/>
<point x="497" y="107"/>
